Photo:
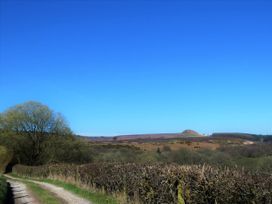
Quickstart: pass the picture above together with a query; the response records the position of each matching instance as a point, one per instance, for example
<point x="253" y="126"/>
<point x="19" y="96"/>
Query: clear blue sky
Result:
<point x="120" y="67"/>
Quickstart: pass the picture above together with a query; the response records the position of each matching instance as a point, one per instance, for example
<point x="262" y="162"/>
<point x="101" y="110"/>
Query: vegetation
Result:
<point x="37" y="135"/>
<point x="5" y="157"/>
<point x="164" y="184"/>
<point x="252" y="157"/>
<point x="33" y="124"/>
<point x="117" y="153"/>
<point x="3" y="189"/>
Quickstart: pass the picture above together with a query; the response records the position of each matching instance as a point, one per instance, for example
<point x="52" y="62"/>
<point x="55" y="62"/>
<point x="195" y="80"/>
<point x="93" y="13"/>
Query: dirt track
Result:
<point x="60" y="192"/>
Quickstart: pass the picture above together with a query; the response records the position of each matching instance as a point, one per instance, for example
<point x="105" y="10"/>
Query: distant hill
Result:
<point x="184" y="134"/>
<point x="191" y="133"/>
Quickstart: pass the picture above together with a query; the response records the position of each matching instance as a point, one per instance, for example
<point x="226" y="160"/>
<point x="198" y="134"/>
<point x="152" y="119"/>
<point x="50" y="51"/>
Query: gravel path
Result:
<point x="60" y="192"/>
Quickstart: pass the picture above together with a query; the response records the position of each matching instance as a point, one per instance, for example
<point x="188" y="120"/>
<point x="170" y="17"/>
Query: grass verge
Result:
<point x="41" y="194"/>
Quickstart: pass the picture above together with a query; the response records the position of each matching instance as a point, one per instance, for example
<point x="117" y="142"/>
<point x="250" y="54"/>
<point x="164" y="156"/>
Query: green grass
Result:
<point x="42" y="195"/>
<point x="96" y="198"/>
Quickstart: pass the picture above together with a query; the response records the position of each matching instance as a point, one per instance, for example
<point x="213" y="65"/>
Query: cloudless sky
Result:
<point x="135" y="66"/>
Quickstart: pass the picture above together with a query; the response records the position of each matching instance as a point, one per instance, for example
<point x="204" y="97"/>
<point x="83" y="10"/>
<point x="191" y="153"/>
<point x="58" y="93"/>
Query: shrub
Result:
<point x="166" y="148"/>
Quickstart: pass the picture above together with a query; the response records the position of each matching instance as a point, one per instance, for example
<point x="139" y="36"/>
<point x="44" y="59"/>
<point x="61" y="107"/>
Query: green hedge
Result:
<point x="5" y="158"/>
<point x="155" y="184"/>
<point x="3" y="189"/>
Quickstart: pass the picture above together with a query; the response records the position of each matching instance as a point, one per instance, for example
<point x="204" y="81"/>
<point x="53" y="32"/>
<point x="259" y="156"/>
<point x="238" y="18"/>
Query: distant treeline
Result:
<point x="250" y="137"/>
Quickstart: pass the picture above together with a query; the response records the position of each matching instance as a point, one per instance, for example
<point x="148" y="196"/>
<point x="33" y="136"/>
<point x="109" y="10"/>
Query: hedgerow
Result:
<point x="154" y="184"/>
<point x="5" y="158"/>
<point x="3" y="189"/>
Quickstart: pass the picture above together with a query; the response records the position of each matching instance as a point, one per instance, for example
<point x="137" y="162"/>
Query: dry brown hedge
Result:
<point x="161" y="183"/>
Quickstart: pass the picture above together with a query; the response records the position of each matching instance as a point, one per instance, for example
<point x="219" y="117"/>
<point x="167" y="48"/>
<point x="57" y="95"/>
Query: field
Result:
<point x="173" y="145"/>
